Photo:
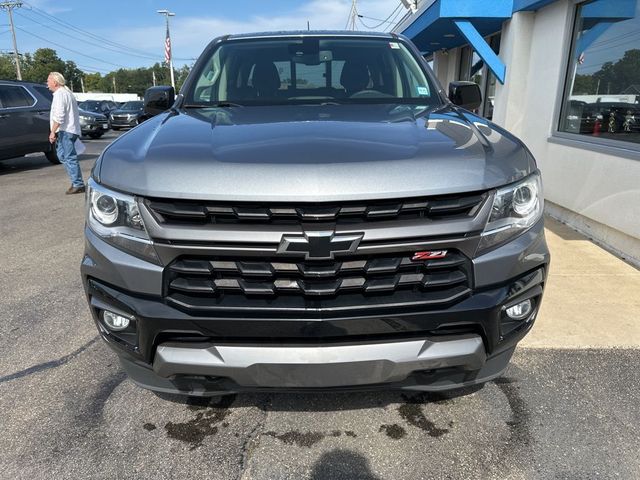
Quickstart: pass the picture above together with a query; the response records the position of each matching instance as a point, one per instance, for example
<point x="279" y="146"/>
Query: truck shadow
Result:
<point x="326" y="401"/>
<point x="35" y="162"/>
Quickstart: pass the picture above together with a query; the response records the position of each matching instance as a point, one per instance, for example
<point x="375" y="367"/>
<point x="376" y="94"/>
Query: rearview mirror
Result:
<point x="465" y="94"/>
<point x="158" y="100"/>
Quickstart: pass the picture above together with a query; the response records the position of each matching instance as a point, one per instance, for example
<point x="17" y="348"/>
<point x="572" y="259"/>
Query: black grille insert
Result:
<point x="198" y="213"/>
<point x="197" y="282"/>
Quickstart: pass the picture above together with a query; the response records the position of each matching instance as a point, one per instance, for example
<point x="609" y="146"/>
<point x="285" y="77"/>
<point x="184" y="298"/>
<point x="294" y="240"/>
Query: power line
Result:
<point x="72" y="27"/>
<point x="614" y="39"/>
<point x="84" y="40"/>
<point x="69" y="26"/>
<point x="372" y="18"/>
<point x="603" y="48"/>
<point x="394" y="21"/>
<point x="350" y="18"/>
<point x="90" y="69"/>
<point x="382" y="22"/>
<point x="69" y="49"/>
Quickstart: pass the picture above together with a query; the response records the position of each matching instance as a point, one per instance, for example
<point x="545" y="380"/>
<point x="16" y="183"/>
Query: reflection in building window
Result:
<point x="602" y="95"/>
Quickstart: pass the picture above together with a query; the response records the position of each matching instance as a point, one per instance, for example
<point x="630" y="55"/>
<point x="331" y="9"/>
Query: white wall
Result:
<point x="446" y="65"/>
<point x="116" y="97"/>
<point x="603" y="188"/>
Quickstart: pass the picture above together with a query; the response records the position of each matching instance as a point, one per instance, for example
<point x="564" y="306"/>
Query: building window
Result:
<point x="602" y="94"/>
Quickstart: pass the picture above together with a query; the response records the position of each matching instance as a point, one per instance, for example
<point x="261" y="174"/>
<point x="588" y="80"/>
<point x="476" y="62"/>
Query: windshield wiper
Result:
<point x="215" y="105"/>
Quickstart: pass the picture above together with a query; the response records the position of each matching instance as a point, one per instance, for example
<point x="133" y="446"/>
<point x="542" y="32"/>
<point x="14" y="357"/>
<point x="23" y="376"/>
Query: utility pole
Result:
<point x="9" y="6"/>
<point x="153" y="74"/>
<point x="114" y="84"/>
<point x="167" y="45"/>
<point x="82" y="83"/>
<point x="351" y="24"/>
<point x="410" y="5"/>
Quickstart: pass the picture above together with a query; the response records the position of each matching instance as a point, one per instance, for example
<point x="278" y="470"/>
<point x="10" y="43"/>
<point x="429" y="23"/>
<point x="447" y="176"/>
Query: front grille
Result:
<point x="185" y="212"/>
<point x="198" y="282"/>
<point x="120" y="118"/>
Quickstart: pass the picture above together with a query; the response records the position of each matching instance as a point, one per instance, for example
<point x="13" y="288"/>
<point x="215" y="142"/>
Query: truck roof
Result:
<point x="312" y="33"/>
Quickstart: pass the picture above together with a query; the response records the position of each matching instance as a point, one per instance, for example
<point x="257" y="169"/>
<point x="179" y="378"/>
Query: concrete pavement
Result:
<point x="592" y="298"/>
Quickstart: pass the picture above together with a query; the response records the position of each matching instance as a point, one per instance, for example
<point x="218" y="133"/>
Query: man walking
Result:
<point x="65" y="124"/>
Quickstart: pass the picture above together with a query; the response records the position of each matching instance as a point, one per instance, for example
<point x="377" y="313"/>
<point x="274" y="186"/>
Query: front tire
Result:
<point x="95" y="135"/>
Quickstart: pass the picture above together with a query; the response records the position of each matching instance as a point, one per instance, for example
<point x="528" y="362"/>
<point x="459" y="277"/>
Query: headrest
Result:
<point x="354" y="76"/>
<point x="266" y="79"/>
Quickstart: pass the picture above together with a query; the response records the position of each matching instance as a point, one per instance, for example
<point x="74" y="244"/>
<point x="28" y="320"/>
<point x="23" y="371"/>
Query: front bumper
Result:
<point x="121" y="122"/>
<point x="94" y="127"/>
<point x="469" y="342"/>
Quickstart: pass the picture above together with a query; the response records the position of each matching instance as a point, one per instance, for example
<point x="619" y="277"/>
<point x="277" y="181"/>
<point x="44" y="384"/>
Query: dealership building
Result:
<point x="564" y="76"/>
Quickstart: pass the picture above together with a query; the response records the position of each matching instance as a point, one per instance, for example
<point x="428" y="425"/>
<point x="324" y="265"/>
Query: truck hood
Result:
<point x="313" y="153"/>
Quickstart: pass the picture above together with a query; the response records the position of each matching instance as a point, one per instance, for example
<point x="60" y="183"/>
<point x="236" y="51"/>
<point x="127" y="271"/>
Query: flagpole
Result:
<point x="168" y="14"/>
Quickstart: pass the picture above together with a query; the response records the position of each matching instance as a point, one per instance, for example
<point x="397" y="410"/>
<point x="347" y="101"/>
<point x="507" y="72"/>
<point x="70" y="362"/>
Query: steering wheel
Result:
<point x="370" y="94"/>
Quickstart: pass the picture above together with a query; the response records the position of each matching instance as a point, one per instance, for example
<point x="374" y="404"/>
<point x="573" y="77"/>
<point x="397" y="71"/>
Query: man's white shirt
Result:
<point x="64" y="110"/>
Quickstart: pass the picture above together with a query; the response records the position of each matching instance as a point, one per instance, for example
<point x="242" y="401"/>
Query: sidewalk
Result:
<point x="592" y="298"/>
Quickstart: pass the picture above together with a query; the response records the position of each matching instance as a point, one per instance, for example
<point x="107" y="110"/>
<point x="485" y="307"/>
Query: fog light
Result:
<point x="114" y="321"/>
<point x="520" y="311"/>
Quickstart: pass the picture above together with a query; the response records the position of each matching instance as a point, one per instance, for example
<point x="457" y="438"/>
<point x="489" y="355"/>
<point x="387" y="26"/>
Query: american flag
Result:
<point x="167" y="47"/>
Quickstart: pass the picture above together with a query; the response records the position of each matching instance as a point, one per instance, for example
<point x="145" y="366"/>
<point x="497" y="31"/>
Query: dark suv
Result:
<point x="128" y="115"/>
<point x="24" y="120"/>
<point x="313" y="212"/>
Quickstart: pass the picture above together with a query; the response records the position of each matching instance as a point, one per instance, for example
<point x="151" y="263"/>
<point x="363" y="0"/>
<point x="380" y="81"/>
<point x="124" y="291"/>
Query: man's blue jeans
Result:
<point x="69" y="158"/>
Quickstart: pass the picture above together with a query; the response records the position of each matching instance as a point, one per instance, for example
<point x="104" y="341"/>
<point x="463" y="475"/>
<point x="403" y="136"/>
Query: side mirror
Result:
<point x="158" y="100"/>
<point x="465" y="94"/>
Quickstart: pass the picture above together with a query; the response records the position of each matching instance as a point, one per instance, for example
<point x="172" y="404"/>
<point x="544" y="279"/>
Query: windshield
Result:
<point x="132" y="106"/>
<point x="312" y="70"/>
<point x="90" y="105"/>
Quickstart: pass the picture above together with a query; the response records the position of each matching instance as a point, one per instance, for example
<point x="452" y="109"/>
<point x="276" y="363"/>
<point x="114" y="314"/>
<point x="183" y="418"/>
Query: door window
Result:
<point x="15" y="97"/>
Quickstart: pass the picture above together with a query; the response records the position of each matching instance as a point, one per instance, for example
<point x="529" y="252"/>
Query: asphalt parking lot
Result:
<point x="567" y="408"/>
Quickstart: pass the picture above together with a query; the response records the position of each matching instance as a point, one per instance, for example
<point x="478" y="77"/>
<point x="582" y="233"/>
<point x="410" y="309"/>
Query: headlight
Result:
<point x="84" y="119"/>
<point x="115" y="218"/>
<point x="516" y="208"/>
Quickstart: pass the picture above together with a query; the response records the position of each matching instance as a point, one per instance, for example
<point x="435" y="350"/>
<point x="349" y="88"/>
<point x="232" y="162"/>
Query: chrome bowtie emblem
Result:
<point x="319" y="245"/>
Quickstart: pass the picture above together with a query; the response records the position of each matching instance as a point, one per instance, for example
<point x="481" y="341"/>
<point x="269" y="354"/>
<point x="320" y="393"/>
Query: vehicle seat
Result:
<point x="354" y="77"/>
<point x="266" y="80"/>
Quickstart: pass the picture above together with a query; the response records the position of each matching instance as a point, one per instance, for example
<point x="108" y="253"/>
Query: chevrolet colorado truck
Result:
<point x="313" y="211"/>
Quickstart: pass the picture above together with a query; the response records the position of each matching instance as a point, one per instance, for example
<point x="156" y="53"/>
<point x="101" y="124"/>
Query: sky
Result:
<point x="130" y="34"/>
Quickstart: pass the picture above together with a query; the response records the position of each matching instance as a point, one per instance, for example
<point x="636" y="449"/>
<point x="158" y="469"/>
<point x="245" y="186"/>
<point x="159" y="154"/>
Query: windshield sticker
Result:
<point x="423" y="91"/>
<point x="394" y="45"/>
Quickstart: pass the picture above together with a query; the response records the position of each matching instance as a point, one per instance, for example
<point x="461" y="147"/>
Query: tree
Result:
<point x="617" y="77"/>
<point x="43" y="62"/>
<point x="584" y="85"/>
<point x="72" y="75"/>
<point x="36" y="68"/>
<point x="181" y="75"/>
<point x="92" y="82"/>
<point x="7" y="67"/>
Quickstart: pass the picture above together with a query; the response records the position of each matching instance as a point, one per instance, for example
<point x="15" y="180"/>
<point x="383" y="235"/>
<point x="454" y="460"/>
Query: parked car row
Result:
<point x="598" y="117"/>
<point x="24" y="118"/>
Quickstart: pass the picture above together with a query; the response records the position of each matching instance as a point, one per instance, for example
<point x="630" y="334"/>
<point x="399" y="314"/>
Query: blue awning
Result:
<point x="446" y="24"/>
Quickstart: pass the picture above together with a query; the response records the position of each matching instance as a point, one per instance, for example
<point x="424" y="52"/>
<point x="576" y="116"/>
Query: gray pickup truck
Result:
<point x="312" y="211"/>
